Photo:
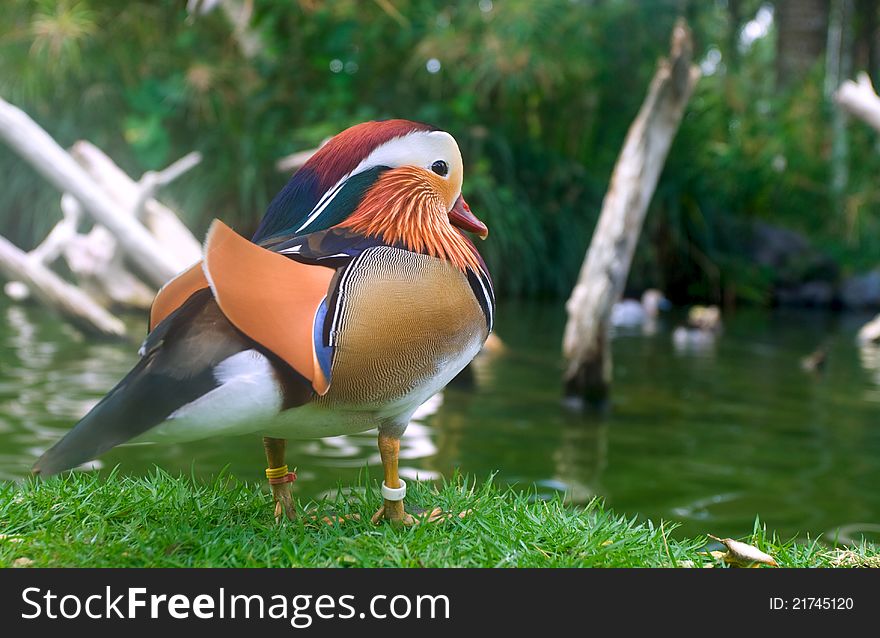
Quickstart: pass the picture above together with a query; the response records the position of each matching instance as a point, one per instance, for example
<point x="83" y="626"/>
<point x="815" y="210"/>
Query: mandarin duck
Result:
<point x="359" y="297"/>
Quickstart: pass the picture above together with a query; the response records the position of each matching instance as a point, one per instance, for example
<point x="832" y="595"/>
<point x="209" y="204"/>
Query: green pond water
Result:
<point x="708" y="438"/>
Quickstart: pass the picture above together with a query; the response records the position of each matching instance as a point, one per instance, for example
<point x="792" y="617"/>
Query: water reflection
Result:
<point x="580" y="460"/>
<point x="869" y="356"/>
<point x="855" y="533"/>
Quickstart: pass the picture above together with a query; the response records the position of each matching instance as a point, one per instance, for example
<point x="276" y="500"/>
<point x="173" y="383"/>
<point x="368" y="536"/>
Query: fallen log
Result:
<point x="93" y="260"/>
<point x="176" y="240"/>
<point x="68" y="300"/>
<point x="586" y="343"/>
<point x="30" y="141"/>
<point x="99" y="267"/>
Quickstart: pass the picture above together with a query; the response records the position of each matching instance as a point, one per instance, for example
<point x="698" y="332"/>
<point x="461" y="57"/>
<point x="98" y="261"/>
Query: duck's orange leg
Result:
<point x="279" y="477"/>
<point x="394" y="489"/>
<point x="392" y="510"/>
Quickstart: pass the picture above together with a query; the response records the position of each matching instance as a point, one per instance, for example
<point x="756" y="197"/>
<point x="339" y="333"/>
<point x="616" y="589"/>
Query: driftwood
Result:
<point x="131" y="229"/>
<point x="93" y="260"/>
<point x="98" y="265"/>
<point x="860" y="99"/>
<point x="68" y="300"/>
<point x="606" y="265"/>
<point x="869" y="334"/>
<point x="36" y="146"/>
<point x="137" y="199"/>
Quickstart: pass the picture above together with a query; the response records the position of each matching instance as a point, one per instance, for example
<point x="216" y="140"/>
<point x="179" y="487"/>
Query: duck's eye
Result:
<point x="440" y="167"/>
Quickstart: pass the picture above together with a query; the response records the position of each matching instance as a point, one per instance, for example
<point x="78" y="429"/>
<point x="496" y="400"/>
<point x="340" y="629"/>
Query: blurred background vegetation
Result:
<point x="538" y="93"/>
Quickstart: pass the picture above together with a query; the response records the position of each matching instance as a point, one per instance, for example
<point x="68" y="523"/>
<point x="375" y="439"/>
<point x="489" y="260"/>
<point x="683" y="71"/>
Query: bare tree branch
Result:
<point x="860" y="99"/>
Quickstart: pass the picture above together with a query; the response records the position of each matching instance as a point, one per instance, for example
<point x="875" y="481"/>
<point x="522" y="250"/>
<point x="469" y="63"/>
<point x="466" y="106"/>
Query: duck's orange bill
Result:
<point x="461" y="216"/>
<point x="270" y="298"/>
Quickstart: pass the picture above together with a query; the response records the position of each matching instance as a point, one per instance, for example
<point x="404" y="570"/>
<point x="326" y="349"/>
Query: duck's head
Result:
<point x="395" y="178"/>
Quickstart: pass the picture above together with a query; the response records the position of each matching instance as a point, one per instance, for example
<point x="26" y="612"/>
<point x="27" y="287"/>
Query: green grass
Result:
<point x="85" y="519"/>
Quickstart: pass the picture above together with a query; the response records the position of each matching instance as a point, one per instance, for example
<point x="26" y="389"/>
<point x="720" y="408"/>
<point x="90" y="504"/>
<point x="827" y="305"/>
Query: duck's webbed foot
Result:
<point x="284" y="498"/>
<point x="393" y="512"/>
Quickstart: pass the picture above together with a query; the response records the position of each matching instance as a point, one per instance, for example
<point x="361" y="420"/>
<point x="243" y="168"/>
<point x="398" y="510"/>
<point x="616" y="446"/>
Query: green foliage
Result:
<point x="165" y="521"/>
<point x="539" y="95"/>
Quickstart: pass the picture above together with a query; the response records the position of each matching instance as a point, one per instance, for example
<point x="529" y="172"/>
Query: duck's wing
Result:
<point x="239" y="348"/>
<point x="271" y="297"/>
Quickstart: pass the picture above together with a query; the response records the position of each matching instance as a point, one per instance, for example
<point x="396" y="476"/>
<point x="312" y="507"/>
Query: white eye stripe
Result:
<point x="419" y="148"/>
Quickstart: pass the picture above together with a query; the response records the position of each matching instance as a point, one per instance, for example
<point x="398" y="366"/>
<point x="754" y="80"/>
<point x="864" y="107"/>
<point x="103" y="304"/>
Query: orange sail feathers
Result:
<point x="270" y="298"/>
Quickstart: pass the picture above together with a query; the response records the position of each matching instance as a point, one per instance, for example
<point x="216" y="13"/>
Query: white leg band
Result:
<point x="394" y="494"/>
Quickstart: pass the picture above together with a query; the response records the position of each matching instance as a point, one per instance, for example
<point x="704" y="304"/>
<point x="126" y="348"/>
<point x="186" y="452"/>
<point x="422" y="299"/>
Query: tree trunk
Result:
<point x="734" y="29"/>
<point x="606" y="266"/>
<point x="801" y="33"/>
